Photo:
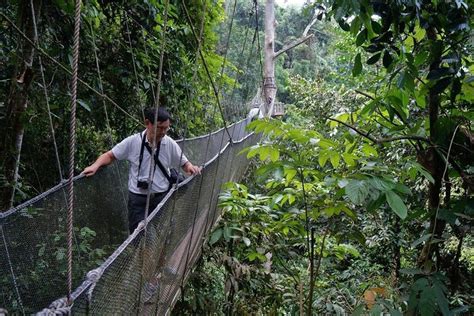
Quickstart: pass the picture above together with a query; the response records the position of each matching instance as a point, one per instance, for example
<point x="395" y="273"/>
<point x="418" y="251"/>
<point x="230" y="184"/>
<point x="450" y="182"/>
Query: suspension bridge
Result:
<point x="53" y="265"/>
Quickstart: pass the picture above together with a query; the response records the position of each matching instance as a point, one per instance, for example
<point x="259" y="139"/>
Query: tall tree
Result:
<point x="269" y="85"/>
<point x="12" y="124"/>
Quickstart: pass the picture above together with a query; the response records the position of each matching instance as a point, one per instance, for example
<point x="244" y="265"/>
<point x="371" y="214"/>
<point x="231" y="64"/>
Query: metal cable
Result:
<point x="65" y="69"/>
<point x="247" y="65"/>
<point x="15" y="284"/>
<point x="207" y="71"/>
<point x="154" y="145"/>
<point x="104" y="105"/>
<point x="45" y="91"/>
<point x="201" y="32"/>
<point x="72" y="144"/>
<point x="133" y="62"/>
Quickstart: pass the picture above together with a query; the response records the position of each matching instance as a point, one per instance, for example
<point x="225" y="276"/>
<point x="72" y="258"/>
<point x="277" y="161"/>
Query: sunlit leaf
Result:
<point x="369" y="150"/>
<point x="246" y="241"/>
<point x="335" y="159"/>
<point x="290" y="174"/>
<point x="349" y="159"/>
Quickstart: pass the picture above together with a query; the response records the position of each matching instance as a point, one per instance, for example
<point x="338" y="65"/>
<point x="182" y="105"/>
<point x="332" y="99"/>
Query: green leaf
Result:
<point x="335" y="159"/>
<point x="420" y="240"/>
<point x="375" y="58"/>
<point x="84" y="105"/>
<point x="349" y="159"/>
<point x="355" y="25"/>
<point x="361" y="37"/>
<point x="441" y="85"/>
<point x="396" y="204"/>
<point x="346" y="27"/>
<point x="290" y="174"/>
<point x="359" y="310"/>
<point x="387" y="59"/>
<point x="421" y="58"/>
<point x="369" y="150"/>
<point x="369" y="108"/>
<point x="323" y="158"/>
<point x="423" y="172"/>
<point x="358" y="236"/>
<point x="357" y="191"/>
<point x="376" y="27"/>
<point x="441" y="300"/>
<point x="402" y="189"/>
<point x="274" y="154"/>
<point x="252" y="256"/>
<point x="357" y="69"/>
<point x="216" y="235"/>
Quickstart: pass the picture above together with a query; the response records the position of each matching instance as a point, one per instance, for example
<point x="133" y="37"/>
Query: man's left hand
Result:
<point x="191" y="169"/>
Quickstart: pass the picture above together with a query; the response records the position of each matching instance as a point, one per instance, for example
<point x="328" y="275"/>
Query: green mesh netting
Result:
<point x="141" y="274"/>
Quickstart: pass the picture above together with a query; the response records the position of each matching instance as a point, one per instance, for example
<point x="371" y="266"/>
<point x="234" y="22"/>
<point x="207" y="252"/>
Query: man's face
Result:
<point x="161" y="129"/>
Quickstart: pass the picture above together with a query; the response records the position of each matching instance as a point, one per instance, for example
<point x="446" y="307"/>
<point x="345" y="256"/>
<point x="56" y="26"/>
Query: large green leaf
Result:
<point x="396" y="204"/>
<point x="357" y="191"/>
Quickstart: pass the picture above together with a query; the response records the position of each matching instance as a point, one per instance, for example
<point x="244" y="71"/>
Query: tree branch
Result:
<point x="304" y="37"/>
<point x="380" y="140"/>
<point x="365" y="94"/>
<point x="292" y="45"/>
<point x="395" y="110"/>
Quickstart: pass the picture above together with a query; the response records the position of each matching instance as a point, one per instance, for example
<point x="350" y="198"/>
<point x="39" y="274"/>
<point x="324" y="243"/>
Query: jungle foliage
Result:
<point x="361" y="198"/>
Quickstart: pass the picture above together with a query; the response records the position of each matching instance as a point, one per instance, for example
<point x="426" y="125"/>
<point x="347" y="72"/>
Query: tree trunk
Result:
<point x="269" y="87"/>
<point x="12" y="128"/>
<point x="396" y="253"/>
<point x="434" y="164"/>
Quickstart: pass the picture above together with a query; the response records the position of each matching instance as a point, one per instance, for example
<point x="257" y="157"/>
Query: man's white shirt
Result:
<point x="170" y="156"/>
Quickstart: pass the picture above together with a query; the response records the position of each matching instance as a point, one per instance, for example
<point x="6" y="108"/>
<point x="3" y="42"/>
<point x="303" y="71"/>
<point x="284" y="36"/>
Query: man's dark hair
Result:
<point x="163" y="115"/>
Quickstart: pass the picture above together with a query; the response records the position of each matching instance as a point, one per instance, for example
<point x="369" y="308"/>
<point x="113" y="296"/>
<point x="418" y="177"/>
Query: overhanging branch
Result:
<point x="304" y="37"/>
<point x="380" y="140"/>
<point x="292" y="45"/>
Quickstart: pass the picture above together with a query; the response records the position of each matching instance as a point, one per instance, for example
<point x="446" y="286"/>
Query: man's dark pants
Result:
<point x="137" y="205"/>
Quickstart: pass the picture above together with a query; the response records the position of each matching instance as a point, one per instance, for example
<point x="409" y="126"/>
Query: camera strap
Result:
<point x="157" y="161"/>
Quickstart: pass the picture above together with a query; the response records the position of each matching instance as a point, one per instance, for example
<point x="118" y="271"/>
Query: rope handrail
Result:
<point x="72" y="144"/>
<point x="94" y="275"/>
<point x="62" y="184"/>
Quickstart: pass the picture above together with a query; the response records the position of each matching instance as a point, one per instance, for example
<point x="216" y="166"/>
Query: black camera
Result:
<point x="142" y="184"/>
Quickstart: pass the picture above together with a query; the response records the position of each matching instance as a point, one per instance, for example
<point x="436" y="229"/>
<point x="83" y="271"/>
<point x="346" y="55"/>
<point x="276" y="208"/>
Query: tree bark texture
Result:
<point x="269" y="86"/>
<point x="12" y="129"/>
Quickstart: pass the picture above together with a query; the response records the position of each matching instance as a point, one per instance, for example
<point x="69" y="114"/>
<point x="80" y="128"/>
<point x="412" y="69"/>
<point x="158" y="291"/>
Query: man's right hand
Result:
<point x="90" y="171"/>
<point x="103" y="160"/>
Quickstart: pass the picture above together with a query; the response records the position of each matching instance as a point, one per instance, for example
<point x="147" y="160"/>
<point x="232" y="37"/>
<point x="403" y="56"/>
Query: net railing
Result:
<point x="142" y="272"/>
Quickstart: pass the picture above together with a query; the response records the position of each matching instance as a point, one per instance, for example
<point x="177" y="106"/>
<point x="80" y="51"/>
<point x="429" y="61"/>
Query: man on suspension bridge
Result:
<point x="167" y="155"/>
